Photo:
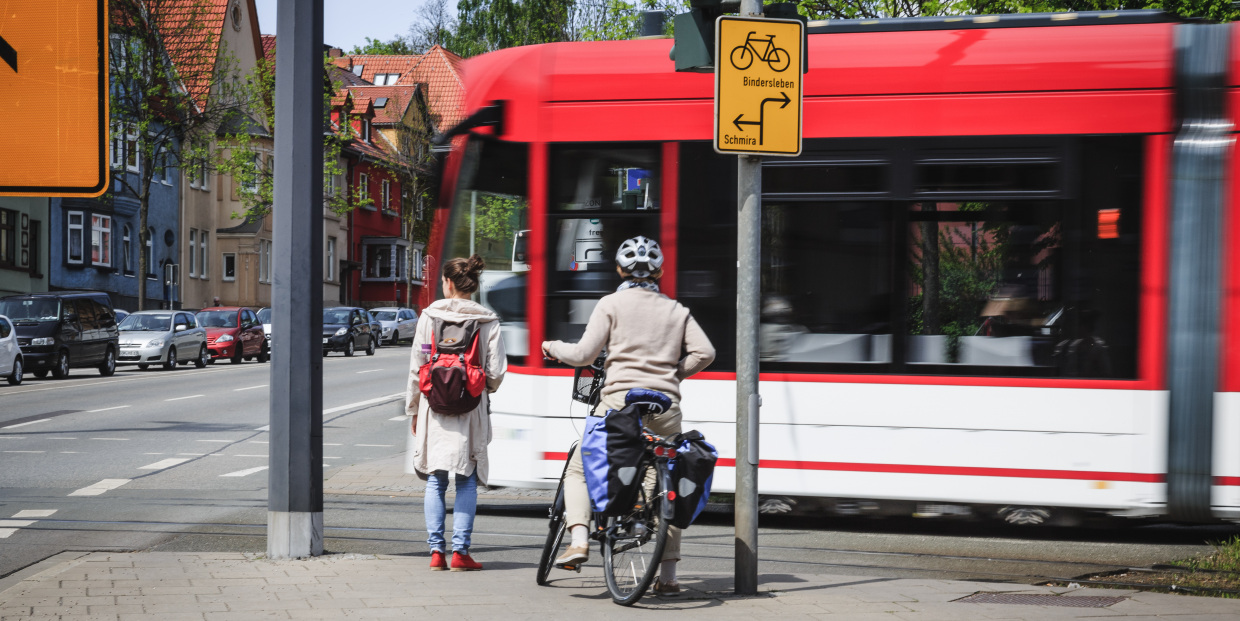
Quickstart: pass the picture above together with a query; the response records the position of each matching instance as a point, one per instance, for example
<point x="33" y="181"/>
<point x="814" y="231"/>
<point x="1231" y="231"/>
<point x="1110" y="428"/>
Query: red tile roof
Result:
<point x="269" y="47"/>
<point x="398" y="100"/>
<point x="375" y="64"/>
<point x="440" y="71"/>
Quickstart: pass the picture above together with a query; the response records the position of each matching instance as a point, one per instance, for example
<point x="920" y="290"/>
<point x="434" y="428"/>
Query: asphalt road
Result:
<point x="175" y="460"/>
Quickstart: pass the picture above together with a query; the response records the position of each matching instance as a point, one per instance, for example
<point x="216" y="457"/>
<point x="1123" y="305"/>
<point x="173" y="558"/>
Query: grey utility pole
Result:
<point x="748" y="300"/>
<point x="295" y="482"/>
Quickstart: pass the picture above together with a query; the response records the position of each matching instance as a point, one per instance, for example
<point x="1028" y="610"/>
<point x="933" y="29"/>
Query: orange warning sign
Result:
<point x="53" y="98"/>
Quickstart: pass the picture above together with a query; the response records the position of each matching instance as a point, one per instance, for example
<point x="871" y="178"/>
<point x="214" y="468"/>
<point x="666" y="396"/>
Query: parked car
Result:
<point x="62" y="330"/>
<point x="234" y="333"/>
<point x="346" y="328"/>
<point x="376" y="328"/>
<point x="163" y="337"/>
<point x="397" y="323"/>
<point x="264" y="317"/>
<point x="10" y="352"/>
<point x="120" y="315"/>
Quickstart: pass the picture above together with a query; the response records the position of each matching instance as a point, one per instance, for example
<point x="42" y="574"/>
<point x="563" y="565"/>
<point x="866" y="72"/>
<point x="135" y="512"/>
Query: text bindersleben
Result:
<point x="760" y="82"/>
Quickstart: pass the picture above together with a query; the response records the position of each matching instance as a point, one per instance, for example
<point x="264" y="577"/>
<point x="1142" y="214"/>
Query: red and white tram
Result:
<point x="1001" y="275"/>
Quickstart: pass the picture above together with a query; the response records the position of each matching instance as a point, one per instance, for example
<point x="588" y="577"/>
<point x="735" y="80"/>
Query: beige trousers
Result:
<point x="577" y="497"/>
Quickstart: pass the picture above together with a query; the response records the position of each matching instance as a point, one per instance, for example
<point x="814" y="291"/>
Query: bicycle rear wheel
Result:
<point x="634" y="543"/>
<point x="555" y="536"/>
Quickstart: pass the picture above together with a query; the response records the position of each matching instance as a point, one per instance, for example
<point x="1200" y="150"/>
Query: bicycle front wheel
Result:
<point x="555" y="536"/>
<point x="634" y="542"/>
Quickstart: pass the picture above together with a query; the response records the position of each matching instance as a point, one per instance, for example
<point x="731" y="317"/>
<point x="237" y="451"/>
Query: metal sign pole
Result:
<point x="295" y="481"/>
<point x="748" y="294"/>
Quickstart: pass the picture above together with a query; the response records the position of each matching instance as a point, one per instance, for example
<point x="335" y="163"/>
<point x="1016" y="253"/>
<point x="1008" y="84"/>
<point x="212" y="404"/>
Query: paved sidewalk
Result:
<point x="168" y="586"/>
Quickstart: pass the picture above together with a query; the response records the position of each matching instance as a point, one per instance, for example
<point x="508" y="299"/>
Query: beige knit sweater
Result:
<point x="645" y="333"/>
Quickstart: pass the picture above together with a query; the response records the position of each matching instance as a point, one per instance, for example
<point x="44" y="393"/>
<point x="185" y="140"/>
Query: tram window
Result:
<point x="946" y="175"/>
<point x="489" y="216"/>
<point x="782" y="179"/>
<point x="826" y="283"/>
<point x="605" y="177"/>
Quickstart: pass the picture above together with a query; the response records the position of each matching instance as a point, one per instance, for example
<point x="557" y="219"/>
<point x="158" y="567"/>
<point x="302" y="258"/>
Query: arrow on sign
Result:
<point x="8" y="53"/>
<point x="761" y="114"/>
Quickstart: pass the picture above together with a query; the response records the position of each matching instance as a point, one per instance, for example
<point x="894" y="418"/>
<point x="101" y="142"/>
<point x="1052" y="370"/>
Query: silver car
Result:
<point x="11" y="363"/>
<point x="398" y="323"/>
<point x="163" y="337"/>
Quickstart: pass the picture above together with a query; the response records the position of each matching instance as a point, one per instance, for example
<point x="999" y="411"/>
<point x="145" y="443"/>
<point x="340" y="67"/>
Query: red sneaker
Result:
<point x="462" y="562"/>
<point x="437" y="561"/>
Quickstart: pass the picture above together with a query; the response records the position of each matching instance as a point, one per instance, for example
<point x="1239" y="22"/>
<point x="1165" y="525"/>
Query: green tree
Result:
<point x="398" y="46"/>
<point x="173" y="84"/>
<point x="489" y="25"/>
<point x="244" y="141"/>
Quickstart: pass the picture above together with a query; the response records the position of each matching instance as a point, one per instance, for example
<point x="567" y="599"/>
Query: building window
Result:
<point x="386" y="79"/>
<point x="150" y="253"/>
<point x="193" y="253"/>
<point x="417" y="264"/>
<point x="363" y="187"/>
<point x="75" y="240"/>
<point x="132" y="162"/>
<point x="198" y="174"/>
<point x="230" y="267"/>
<point x="101" y="240"/>
<point x="385" y="195"/>
<point x="379" y="262"/>
<point x="264" y="261"/>
<point x="202" y="254"/>
<point x="8" y="238"/>
<point x="384" y="259"/>
<point x="331" y="259"/>
<point x="118" y="147"/>
<point x="165" y="167"/>
<point x="329" y="185"/>
<point x="366" y="129"/>
<point x="126" y="251"/>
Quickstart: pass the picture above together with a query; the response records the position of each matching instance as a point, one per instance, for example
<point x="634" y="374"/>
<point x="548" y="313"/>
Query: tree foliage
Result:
<point x="398" y="46"/>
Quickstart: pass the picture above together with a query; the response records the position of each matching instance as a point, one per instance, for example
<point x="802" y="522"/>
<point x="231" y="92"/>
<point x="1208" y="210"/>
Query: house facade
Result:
<point x="23" y="245"/>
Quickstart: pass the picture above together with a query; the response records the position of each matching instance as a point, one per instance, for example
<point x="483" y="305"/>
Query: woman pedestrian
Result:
<point x="440" y="443"/>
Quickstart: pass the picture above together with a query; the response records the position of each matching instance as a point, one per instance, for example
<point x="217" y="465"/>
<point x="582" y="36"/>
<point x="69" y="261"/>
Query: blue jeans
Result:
<point x="462" y="510"/>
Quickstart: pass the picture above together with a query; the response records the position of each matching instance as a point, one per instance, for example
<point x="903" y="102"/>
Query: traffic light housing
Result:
<point x="694" y="34"/>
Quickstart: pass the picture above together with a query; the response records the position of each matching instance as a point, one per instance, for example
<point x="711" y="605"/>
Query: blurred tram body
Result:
<point x="1001" y="278"/>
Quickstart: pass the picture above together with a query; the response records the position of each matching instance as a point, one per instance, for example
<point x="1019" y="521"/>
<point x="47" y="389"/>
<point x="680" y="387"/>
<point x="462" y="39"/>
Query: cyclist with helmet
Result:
<point x="652" y="342"/>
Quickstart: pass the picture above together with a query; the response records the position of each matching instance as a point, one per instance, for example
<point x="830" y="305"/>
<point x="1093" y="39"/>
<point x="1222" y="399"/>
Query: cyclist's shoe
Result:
<point x="665" y="588"/>
<point x="573" y="556"/>
<point x="462" y="562"/>
<point x="437" y="561"/>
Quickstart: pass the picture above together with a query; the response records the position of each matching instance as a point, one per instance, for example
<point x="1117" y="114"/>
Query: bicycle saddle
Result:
<point x="654" y="400"/>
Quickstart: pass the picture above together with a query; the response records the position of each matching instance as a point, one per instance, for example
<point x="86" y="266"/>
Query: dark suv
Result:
<point x="61" y="330"/>
<point x="346" y="328"/>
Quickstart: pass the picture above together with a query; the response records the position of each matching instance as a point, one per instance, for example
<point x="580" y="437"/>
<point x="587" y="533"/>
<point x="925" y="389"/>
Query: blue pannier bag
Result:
<point x="611" y="451"/>
<point x="692" y="471"/>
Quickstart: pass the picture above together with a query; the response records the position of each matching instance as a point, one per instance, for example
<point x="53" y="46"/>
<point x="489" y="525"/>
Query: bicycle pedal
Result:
<point x="571" y="567"/>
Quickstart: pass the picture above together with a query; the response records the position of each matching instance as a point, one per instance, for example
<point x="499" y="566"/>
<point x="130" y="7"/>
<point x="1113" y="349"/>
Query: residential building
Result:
<point x="23" y="245"/>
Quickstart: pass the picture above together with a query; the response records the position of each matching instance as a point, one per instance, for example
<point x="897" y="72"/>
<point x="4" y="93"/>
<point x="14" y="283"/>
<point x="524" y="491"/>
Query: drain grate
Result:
<point x="1031" y="599"/>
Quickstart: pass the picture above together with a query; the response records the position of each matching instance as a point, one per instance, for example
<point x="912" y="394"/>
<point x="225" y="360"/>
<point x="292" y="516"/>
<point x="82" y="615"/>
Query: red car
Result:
<point x="234" y="333"/>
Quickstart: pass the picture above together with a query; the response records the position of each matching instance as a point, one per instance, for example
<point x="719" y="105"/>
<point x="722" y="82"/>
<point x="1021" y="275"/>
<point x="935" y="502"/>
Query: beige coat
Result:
<point x="455" y="443"/>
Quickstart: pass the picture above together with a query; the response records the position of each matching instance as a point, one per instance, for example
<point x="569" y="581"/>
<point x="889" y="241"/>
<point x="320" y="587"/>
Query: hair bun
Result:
<point x="475" y="265"/>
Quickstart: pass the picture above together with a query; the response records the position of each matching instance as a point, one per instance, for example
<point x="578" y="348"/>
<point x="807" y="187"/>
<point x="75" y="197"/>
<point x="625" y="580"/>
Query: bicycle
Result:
<point x="632" y="544"/>
<point x="777" y="58"/>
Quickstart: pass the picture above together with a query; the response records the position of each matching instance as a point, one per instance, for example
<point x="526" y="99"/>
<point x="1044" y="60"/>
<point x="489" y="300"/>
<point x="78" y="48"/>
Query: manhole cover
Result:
<point x="1031" y="599"/>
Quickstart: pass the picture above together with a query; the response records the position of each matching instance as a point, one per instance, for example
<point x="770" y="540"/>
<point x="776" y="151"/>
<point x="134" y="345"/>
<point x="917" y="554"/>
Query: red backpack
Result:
<point x="453" y="380"/>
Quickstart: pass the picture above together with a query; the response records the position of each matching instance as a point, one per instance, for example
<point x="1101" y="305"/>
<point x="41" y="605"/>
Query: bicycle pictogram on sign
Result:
<point x="777" y="58"/>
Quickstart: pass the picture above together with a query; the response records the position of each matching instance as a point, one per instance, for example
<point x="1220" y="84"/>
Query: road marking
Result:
<point x="61" y="438"/>
<point x="35" y="513"/>
<point x="263" y="456"/>
<point x="152" y="453"/>
<point x="183" y="398"/>
<point x="23" y="451"/>
<point x="257" y="442"/>
<point x="249" y="388"/>
<point x="370" y="371"/>
<point x="331" y="458"/>
<point x="246" y="472"/>
<point x="192" y="454"/>
<point x="33" y="422"/>
<point x="401" y="417"/>
<point x="332" y="444"/>
<point x="70" y="452"/>
<point x="119" y="407"/>
<point x="100" y="487"/>
<point x="224" y="441"/>
<point x="264" y="428"/>
<point x="165" y="463"/>
<point x="13" y="438"/>
<point x="5" y="532"/>
<point x="113" y="439"/>
<point x="15" y="523"/>
<point x="361" y="404"/>
<point x="376" y="445"/>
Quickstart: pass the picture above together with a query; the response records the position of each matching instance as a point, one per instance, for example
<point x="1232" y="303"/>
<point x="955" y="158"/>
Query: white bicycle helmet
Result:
<point x="640" y="256"/>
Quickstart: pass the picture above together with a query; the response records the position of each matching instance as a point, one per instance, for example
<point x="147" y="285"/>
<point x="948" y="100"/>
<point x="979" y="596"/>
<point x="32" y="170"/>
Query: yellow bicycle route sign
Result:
<point x="758" y="85"/>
